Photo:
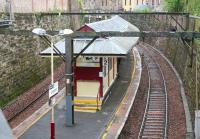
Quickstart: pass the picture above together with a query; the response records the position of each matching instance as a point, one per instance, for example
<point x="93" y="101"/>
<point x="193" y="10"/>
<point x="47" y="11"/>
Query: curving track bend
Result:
<point x="154" y="124"/>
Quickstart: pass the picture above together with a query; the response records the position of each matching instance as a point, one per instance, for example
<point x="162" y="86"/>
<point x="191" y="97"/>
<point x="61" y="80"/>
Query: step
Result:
<point x="87" y="105"/>
<point x="87" y="109"/>
<point x="87" y="102"/>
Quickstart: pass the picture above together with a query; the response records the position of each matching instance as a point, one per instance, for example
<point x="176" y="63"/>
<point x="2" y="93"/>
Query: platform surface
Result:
<point x="5" y="130"/>
<point x="87" y="125"/>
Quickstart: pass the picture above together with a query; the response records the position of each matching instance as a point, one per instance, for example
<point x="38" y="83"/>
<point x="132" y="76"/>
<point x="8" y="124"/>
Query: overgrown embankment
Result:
<point x="21" y="66"/>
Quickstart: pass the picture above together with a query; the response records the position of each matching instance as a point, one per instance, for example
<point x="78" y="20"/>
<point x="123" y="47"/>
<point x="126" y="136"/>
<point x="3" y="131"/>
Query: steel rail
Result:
<point x="165" y="119"/>
<point x="149" y="88"/>
<point x="165" y="91"/>
<point x="31" y="103"/>
<point x="166" y="98"/>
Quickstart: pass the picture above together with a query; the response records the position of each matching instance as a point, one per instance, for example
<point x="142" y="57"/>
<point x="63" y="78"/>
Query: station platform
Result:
<point x="106" y="123"/>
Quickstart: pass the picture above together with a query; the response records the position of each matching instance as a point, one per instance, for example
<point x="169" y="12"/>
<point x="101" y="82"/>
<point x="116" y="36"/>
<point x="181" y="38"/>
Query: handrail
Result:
<point x="98" y="98"/>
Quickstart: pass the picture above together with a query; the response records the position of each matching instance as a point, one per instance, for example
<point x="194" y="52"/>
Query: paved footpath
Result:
<point x="87" y="125"/>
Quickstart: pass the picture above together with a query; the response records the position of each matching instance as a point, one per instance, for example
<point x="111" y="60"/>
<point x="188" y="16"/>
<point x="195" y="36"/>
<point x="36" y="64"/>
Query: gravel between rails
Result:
<point x="24" y="100"/>
<point x="176" y="123"/>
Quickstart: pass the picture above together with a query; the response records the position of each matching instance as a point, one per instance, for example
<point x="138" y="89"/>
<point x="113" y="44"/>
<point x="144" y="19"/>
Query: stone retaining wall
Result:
<point x="21" y="67"/>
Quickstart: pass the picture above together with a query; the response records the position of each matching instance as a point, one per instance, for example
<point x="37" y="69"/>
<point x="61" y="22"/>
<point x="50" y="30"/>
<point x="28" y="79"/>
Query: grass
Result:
<point x="19" y="89"/>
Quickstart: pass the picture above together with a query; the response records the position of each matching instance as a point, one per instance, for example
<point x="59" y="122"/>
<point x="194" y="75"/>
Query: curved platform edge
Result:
<point x="119" y="118"/>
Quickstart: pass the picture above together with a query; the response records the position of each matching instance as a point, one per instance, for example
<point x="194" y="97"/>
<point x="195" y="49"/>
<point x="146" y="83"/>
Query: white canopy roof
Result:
<point x="111" y="46"/>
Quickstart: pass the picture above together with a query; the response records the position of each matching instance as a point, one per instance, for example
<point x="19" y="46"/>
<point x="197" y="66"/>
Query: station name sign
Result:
<point x="53" y="89"/>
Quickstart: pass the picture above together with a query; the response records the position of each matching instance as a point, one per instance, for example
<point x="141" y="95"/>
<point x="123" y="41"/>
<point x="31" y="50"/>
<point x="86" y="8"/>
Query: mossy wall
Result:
<point x="21" y="66"/>
<point x="183" y="57"/>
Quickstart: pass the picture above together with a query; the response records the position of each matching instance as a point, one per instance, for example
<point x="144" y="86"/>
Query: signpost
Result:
<point x="53" y="89"/>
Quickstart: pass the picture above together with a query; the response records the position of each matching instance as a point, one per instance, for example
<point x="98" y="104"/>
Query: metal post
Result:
<point x="70" y="10"/>
<point x="10" y="10"/>
<point x="69" y="80"/>
<point x="187" y="22"/>
<point x="52" y="124"/>
<point x="196" y="80"/>
<point x="51" y="60"/>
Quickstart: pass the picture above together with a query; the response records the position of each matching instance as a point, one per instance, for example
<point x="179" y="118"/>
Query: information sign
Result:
<point x="53" y="89"/>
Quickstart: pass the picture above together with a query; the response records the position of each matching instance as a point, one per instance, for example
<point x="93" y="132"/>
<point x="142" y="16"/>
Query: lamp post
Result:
<point x="42" y="32"/>
<point x="69" y="76"/>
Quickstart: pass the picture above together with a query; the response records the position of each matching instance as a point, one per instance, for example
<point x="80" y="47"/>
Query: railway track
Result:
<point x="155" y="119"/>
<point x="43" y="95"/>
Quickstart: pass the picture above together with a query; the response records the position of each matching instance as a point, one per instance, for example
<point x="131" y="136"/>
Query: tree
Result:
<point x="193" y="7"/>
<point x="174" y="5"/>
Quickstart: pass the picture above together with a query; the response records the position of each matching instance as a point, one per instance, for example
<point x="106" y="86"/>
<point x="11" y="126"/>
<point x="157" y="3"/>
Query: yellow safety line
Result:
<point x="111" y="122"/>
<point x="85" y="108"/>
<point x="37" y="119"/>
<point x="90" y="111"/>
<point x="87" y="102"/>
<point x="134" y="63"/>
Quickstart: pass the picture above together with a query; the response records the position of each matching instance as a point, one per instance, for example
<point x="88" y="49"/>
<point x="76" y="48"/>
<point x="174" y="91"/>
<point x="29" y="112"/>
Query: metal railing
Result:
<point x="98" y="98"/>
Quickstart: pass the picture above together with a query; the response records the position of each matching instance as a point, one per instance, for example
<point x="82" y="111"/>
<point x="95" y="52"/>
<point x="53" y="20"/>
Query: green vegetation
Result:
<point x="191" y="6"/>
<point x="174" y="5"/>
<point x="80" y="3"/>
<point x="189" y="76"/>
<point x="144" y="10"/>
<point x="33" y="79"/>
<point x="18" y="90"/>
